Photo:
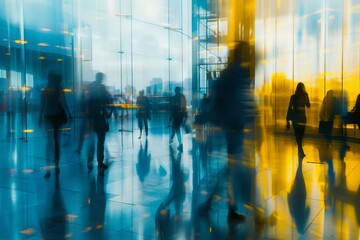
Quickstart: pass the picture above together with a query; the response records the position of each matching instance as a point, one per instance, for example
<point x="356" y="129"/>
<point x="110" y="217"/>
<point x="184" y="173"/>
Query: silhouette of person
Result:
<point x="178" y="114"/>
<point x="143" y="164"/>
<point x="143" y="112"/>
<point x="99" y="100"/>
<point x="124" y="109"/>
<point x="298" y="208"/>
<point x="10" y="106"/>
<point x="54" y="112"/>
<point x="356" y="111"/>
<point x="296" y="113"/>
<point x="233" y="108"/>
<point x="327" y="113"/>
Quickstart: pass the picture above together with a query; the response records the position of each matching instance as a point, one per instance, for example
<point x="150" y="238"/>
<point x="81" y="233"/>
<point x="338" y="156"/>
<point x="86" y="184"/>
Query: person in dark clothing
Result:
<point x="99" y="100"/>
<point x="296" y="113"/>
<point x="356" y="111"/>
<point x="54" y="112"/>
<point x="204" y="109"/>
<point x="233" y="108"/>
<point x="178" y="115"/>
<point x="328" y="110"/>
<point x="143" y="112"/>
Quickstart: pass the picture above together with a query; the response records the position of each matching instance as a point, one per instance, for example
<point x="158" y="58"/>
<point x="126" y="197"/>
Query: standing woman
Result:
<point x="54" y="112"/>
<point x="296" y="114"/>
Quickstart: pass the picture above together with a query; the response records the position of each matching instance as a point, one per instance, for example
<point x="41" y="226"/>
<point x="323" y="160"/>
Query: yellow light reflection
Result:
<point x="22" y="42"/>
<point x="41" y="58"/>
<point x="43" y="44"/>
<point x="25" y="88"/>
<point x="28" y="231"/>
<point x="28" y="131"/>
<point x="67" y="90"/>
<point x="59" y="59"/>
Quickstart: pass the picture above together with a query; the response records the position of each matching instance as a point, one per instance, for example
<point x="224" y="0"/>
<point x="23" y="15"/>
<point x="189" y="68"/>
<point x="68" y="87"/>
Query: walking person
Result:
<point x="328" y="110"/>
<point x="178" y="115"/>
<point x="99" y="100"/>
<point x="54" y="112"/>
<point x="296" y="113"/>
<point x="233" y="108"/>
<point x="143" y="112"/>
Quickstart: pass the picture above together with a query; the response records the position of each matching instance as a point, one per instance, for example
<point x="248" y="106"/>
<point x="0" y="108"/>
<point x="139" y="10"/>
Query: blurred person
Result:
<point x="54" y="112"/>
<point x="329" y="109"/>
<point x="203" y="116"/>
<point x="356" y="112"/>
<point x="99" y="100"/>
<point x="143" y="164"/>
<point x="296" y="113"/>
<point x="178" y="115"/>
<point x="233" y="108"/>
<point x="124" y="109"/>
<point x="11" y="97"/>
<point x="143" y="112"/>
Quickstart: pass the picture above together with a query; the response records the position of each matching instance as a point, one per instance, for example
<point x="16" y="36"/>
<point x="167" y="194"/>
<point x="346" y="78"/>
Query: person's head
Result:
<point x="54" y="80"/>
<point x="330" y="93"/>
<point x="141" y="92"/>
<point x="300" y="88"/>
<point x="240" y="52"/>
<point x="99" y="77"/>
<point x="177" y="90"/>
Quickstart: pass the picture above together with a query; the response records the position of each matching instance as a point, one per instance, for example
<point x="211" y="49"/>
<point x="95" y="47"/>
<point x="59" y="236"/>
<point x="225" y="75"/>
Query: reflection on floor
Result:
<point x="153" y="191"/>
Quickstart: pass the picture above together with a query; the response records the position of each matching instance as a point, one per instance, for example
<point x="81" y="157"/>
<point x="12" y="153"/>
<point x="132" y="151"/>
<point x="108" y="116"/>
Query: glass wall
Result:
<point x="316" y="43"/>
<point x="139" y="45"/>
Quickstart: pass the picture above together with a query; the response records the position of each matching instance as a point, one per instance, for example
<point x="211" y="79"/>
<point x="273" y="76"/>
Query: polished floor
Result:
<point x="153" y="191"/>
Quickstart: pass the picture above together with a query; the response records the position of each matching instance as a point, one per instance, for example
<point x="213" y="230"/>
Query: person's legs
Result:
<point x="56" y="126"/>
<point x="299" y="130"/>
<point x="234" y="140"/>
<point x="146" y="126"/>
<point x="172" y="132"/>
<point x="50" y="151"/>
<point x="100" y="151"/>
<point x="140" y="123"/>
<point x="178" y="135"/>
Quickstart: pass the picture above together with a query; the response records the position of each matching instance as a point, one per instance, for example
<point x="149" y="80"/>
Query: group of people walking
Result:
<point x="54" y="112"/>
<point x="330" y="107"/>
<point x="96" y="108"/>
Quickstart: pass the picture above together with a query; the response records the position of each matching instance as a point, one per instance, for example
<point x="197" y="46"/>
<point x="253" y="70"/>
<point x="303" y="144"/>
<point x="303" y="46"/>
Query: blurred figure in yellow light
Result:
<point x="296" y="113"/>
